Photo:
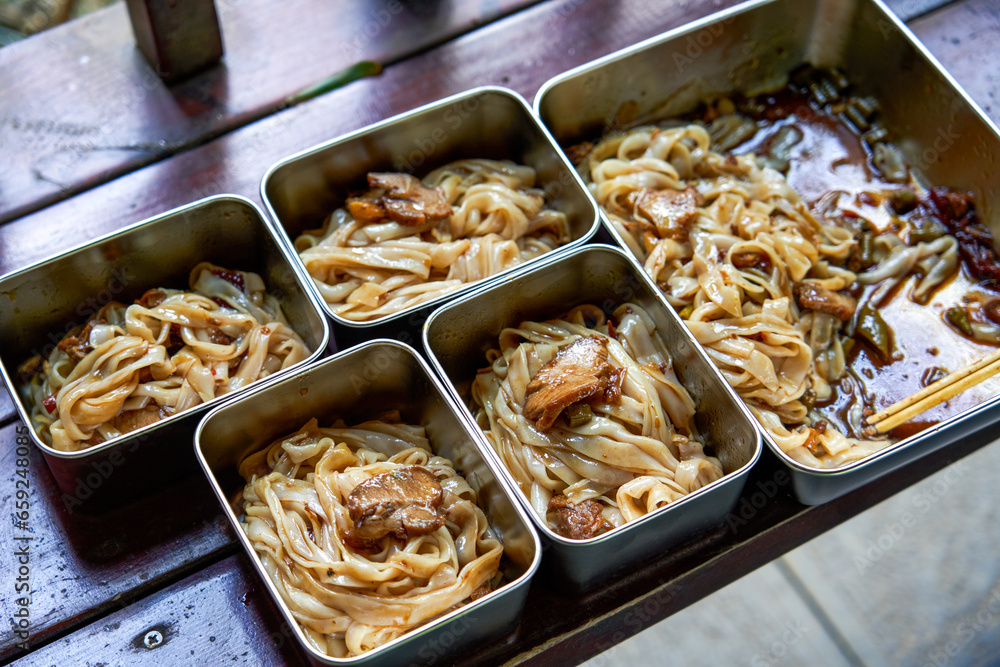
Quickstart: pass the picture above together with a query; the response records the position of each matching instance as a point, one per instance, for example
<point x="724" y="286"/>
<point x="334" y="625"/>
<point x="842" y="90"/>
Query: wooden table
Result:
<point x="91" y="141"/>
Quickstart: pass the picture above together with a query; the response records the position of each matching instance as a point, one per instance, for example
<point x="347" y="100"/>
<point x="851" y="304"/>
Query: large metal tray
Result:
<point x="754" y="47"/>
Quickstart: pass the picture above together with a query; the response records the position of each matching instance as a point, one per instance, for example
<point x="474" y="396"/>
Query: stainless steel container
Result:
<point x="754" y="47"/>
<point x="490" y="122"/>
<point x="358" y="385"/>
<point x="458" y="335"/>
<point x="39" y="304"/>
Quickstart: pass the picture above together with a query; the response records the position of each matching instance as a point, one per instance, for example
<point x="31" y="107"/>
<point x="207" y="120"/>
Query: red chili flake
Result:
<point x="756" y="336"/>
<point x="232" y="277"/>
<point x="50" y="403"/>
<point x="611" y="330"/>
<point x="222" y="302"/>
<point x="213" y="372"/>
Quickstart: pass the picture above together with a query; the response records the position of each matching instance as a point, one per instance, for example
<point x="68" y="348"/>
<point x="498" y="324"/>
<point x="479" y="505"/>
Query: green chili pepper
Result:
<point x="866" y="250"/>
<point x="926" y="230"/>
<point x="686" y="311"/>
<point x="873" y="328"/>
<point x="577" y="414"/>
<point x="959" y="318"/>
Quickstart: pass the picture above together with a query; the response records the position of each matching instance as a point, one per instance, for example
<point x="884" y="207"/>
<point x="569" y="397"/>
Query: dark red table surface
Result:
<point x="92" y="141"/>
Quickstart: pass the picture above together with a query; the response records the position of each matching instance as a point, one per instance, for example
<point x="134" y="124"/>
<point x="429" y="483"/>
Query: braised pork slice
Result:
<point x="580" y="521"/>
<point x="822" y="300"/>
<point x="405" y="502"/>
<point x="152" y="298"/>
<point x="399" y="197"/>
<point x="580" y="371"/>
<point x="132" y="420"/>
<point x="672" y="211"/>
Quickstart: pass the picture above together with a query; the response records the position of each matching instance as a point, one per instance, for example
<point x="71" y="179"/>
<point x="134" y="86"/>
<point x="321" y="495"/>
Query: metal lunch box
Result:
<point x="457" y="336"/>
<point x="488" y="122"/>
<point x="754" y="47"/>
<point x="356" y="385"/>
<point x="39" y="304"/>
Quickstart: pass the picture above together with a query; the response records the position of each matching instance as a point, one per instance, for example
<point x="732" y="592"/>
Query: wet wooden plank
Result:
<point x="79" y="566"/>
<point x="89" y="107"/>
<point x="214" y="617"/>
<point x="964" y="37"/>
<point x="551" y="38"/>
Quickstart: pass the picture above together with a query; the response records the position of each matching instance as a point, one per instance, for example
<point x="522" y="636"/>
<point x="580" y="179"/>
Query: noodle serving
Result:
<point x="407" y="241"/>
<point x="131" y="366"/>
<point x="791" y="299"/>
<point x="587" y="414"/>
<point x="365" y="533"/>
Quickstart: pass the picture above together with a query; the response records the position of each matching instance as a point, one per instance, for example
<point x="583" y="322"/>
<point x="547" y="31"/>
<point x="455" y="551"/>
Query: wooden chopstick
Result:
<point x="934" y="394"/>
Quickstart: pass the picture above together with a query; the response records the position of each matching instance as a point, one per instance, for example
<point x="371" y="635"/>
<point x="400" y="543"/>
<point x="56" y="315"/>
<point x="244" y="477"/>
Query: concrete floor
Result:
<point x="912" y="581"/>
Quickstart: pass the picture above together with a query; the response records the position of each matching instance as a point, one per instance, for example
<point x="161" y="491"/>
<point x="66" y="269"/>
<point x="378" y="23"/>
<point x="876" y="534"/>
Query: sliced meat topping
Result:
<point x="481" y="592"/>
<point x="77" y="342"/>
<point x="822" y="300"/>
<point x="131" y="420"/>
<point x="672" y="211"/>
<point x="152" y="298"/>
<point x="404" y="502"/>
<point x="399" y="197"/>
<point x="216" y="336"/>
<point x="580" y="521"/>
<point x="579" y="371"/>
<point x="577" y="153"/>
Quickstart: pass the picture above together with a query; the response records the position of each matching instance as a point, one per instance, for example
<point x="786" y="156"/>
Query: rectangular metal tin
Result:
<point x="356" y="385"/>
<point x="39" y="304"/>
<point x="488" y="122"/>
<point x="457" y="336"/>
<point x="753" y="47"/>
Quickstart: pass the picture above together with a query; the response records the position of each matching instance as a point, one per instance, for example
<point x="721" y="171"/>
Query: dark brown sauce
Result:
<point x="829" y="157"/>
<point x="831" y="161"/>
